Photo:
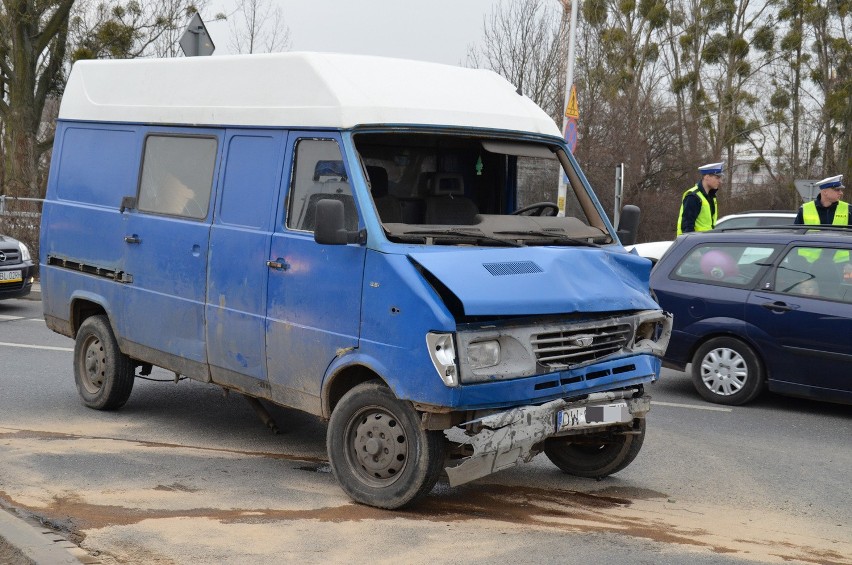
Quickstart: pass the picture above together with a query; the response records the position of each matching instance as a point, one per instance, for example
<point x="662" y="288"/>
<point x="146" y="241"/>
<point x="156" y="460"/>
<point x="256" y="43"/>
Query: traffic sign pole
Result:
<point x="571" y="94"/>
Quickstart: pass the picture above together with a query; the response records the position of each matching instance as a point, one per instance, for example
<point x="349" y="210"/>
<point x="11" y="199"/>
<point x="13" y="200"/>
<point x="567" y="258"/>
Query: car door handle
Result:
<point x="279" y="265"/>
<point x="132" y="238"/>
<point x="780" y="306"/>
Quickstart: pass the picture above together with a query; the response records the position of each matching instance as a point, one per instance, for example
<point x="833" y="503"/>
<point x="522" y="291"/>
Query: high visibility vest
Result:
<point x="810" y="216"/>
<point x="705" y="220"/>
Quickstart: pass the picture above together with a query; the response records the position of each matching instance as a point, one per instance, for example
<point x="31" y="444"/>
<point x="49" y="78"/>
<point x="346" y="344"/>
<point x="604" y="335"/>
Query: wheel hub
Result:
<point x="93" y="364"/>
<point x="380" y="445"/>
<point x="724" y="371"/>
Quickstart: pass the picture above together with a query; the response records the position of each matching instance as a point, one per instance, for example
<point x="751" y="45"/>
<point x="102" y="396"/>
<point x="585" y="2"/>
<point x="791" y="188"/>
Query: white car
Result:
<point x="757" y="218"/>
<point x="654" y="250"/>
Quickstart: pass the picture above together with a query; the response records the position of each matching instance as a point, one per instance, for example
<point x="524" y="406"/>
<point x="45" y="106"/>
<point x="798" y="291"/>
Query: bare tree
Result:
<point x="665" y="85"/>
<point x="522" y="43"/>
<point x="831" y="72"/>
<point x="257" y="26"/>
<point x="111" y="29"/>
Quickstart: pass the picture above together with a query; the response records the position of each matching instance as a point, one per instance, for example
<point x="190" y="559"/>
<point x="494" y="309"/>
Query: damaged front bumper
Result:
<point x="506" y="439"/>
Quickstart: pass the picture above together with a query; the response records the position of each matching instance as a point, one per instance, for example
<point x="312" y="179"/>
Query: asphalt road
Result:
<point x="186" y="474"/>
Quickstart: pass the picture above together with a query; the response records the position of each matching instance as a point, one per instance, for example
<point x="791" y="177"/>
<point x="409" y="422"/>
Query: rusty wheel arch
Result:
<point x="342" y="382"/>
<point x="82" y="309"/>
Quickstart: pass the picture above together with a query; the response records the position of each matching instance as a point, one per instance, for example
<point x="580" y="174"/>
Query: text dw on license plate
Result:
<point x="592" y="416"/>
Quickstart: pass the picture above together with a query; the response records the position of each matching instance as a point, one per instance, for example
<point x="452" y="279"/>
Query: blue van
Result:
<point x="375" y="241"/>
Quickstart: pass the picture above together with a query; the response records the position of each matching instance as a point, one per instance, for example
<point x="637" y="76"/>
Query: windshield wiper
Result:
<point x="462" y="235"/>
<point x="549" y="235"/>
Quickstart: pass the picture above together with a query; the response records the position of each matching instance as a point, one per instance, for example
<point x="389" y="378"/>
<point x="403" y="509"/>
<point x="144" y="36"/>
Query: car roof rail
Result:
<point x="796" y="228"/>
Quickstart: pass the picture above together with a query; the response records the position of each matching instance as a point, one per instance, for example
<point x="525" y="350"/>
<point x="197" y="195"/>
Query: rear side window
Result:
<point x="725" y="264"/>
<point x="816" y="272"/>
<point x="177" y="175"/>
<point x="318" y="174"/>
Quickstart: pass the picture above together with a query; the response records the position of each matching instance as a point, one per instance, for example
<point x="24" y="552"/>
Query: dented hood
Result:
<point x="541" y="280"/>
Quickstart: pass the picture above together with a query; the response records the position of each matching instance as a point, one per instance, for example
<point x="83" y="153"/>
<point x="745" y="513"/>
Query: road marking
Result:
<point x="6" y="318"/>
<point x="695" y="406"/>
<point x="48" y="347"/>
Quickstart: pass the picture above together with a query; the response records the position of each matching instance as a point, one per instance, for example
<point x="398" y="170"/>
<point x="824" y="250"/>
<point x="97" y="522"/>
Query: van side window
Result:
<point x="177" y="175"/>
<point x="318" y="173"/>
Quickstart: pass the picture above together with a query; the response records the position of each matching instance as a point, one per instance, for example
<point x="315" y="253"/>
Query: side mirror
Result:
<point x="127" y="203"/>
<point x="628" y="224"/>
<point x="330" y="227"/>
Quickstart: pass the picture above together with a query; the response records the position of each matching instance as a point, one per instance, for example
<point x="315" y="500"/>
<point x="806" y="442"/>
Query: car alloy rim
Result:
<point x="724" y="371"/>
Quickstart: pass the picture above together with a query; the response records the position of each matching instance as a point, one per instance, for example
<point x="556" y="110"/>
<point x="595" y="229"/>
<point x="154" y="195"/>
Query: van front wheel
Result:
<point x="379" y="453"/>
<point x="104" y="375"/>
<point x="596" y="456"/>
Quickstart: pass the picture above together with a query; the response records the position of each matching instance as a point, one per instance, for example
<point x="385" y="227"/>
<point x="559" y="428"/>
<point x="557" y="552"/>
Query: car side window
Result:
<point x="318" y="174"/>
<point x="725" y="264"/>
<point x="815" y="271"/>
<point x="177" y="175"/>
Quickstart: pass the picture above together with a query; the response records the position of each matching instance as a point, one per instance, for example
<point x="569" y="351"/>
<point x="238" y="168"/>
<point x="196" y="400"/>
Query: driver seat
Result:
<point x="448" y="204"/>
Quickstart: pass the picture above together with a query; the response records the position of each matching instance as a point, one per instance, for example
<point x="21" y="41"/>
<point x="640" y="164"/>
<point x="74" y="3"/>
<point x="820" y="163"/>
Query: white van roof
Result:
<point x="297" y="90"/>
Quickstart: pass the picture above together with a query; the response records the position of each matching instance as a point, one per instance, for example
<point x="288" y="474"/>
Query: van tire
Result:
<point x="103" y="374"/>
<point x="378" y="451"/>
<point x="725" y="370"/>
<point x="596" y="456"/>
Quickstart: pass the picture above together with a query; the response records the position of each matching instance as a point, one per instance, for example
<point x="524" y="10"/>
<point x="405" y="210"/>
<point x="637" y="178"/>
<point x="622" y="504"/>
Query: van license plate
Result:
<point x="588" y="416"/>
<point x="10" y="276"/>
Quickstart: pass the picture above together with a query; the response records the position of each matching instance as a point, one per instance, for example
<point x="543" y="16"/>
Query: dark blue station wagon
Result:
<point x="761" y="308"/>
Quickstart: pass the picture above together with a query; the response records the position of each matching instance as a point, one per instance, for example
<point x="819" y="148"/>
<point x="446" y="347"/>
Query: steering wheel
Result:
<point x="538" y="209"/>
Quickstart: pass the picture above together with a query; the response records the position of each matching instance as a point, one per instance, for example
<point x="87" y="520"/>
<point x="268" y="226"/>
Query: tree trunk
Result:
<point x="37" y="45"/>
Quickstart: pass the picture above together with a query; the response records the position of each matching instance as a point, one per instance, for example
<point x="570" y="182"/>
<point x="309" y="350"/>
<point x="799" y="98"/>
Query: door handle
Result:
<point x="132" y="238"/>
<point x="279" y="265"/>
<point x="779" y="306"/>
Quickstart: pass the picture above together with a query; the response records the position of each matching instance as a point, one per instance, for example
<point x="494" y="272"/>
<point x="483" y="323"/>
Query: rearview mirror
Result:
<point x="330" y="225"/>
<point x="628" y="224"/>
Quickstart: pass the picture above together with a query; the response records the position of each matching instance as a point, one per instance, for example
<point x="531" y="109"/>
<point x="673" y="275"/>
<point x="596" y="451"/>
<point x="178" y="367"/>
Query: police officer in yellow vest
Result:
<point x="826" y="208"/>
<point x="698" y="210"/>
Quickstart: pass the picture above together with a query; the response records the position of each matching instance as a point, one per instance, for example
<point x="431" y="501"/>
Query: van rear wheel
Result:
<point x="596" y="456"/>
<point x="103" y="374"/>
<point x="379" y="453"/>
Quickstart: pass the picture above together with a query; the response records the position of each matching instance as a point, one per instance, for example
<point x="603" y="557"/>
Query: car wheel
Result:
<point x="727" y="371"/>
<point x="378" y="451"/>
<point x="597" y="455"/>
<point x="103" y="374"/>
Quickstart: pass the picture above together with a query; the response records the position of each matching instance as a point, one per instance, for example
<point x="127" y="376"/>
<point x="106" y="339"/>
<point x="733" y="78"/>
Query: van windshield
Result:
<point x="454" y="189"/>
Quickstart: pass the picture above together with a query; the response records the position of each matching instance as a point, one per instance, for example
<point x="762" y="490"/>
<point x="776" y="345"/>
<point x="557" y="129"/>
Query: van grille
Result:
<point x="567" y="348"/>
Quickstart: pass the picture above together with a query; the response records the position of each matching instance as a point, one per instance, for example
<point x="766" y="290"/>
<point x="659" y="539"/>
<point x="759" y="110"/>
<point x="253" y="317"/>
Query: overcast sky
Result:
<point x="427" y="30"/>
